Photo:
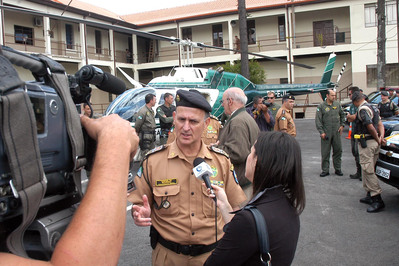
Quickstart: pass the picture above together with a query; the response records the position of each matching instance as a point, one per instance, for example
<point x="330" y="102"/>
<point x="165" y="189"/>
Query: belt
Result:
<point x="188" y="250"/>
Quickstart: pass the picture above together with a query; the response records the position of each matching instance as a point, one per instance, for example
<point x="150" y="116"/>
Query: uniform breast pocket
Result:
<point x="208" y="205"/>
<point x="167" y="200"/>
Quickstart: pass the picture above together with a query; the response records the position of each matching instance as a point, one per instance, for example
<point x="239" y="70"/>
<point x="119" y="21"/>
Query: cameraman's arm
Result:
<point x="96" y="232"/>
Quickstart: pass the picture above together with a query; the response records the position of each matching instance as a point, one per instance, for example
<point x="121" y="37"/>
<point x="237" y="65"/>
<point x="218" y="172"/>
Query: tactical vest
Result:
<point x="360" y="127"/>
<point x="385" y="109"/>
<point x="168" y="112"/>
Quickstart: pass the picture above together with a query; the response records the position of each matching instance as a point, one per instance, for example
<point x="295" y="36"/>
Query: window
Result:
<point x="23" y="35"/>
<point x="392" y="75"/>
<point x="283" y="80"/>
<point x="217" y="35"/>
<point x="281" y="29"/>
<point x="97" y="34"/>
<point x="251" y="31"/>
<point x="370" y="14"/>
<point x="69" y="36"/>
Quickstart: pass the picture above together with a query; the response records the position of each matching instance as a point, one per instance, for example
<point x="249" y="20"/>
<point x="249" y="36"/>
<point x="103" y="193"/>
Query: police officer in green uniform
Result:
<point x="145" y="124"/>
<point x="330" y="121"/>
<point x="370" y="133"/>
<point x="274" y="107"/>
<point x="351" y="117"/>
<point x="165" y="115"/>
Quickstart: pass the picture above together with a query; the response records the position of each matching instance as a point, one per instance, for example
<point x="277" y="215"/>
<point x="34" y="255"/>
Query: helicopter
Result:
<point x="211" y="84"/>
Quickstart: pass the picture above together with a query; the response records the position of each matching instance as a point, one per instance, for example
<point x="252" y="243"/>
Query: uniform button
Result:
<point x="166" y="193"/>
<point x="192" y="173"/>
<point x="192" y="233"/>
<point x="192" y="214"/>
<point x="192" y="193"/>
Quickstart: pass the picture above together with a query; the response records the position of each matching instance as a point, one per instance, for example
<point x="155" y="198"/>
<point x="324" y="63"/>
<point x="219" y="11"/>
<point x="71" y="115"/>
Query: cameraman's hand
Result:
<point x="141" y="214"/>
<point x="110" y="128"/>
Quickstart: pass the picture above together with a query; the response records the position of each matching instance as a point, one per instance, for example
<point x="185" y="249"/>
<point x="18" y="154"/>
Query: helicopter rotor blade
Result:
<point x="256" y="54"/>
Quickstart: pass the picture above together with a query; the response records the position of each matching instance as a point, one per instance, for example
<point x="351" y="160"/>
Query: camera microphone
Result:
<point x="203" y="171"/>
<point x="103" y="80"/>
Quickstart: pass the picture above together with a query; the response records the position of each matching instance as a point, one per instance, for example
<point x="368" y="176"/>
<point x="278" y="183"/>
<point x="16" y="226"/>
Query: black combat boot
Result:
<point x="367" y="199"/>
<point x="377" y="204"/>
<point x="356" y="176"/>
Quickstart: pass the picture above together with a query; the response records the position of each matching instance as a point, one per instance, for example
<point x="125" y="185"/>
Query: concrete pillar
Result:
<point x="47" y="39"/>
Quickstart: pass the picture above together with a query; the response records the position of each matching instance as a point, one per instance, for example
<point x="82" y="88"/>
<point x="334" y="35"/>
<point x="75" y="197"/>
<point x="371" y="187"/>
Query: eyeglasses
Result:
<point x="270" y="97"/>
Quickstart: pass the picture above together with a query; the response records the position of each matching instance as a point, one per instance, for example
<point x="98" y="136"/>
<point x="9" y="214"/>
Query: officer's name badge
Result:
<point x="217" y="183"/>
<point x="166" y="182"/>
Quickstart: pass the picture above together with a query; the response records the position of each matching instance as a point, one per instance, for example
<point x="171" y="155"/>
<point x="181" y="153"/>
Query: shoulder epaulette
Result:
<point x="217" y="150"/>
<point x="156" y="149"/>
<point x="214" y="117"/>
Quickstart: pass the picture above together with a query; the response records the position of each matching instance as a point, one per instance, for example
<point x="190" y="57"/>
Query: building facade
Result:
<point x="304" y="31"/>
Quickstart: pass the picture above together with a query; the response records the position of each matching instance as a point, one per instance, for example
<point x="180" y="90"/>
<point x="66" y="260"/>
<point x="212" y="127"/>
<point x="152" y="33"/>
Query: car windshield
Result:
<point x="129" y="103"/>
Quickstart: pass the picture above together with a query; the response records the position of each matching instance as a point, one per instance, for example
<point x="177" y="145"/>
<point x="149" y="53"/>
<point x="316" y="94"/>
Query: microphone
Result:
<point x="203" y="171"/>
<point x="103" y="80"/>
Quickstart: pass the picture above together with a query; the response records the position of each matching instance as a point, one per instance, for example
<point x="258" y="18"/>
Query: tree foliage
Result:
<point x="256" y="72"/>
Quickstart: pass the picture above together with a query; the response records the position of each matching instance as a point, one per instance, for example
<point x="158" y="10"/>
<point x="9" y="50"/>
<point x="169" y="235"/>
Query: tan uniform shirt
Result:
<point x="284" y="121"/>
<point x="181" y="210"/>
<point x="211" y="132"/>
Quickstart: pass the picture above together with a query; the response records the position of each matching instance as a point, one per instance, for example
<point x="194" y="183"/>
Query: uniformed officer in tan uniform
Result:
<point x="284" y="119"/>
<point x="172" y="200"/>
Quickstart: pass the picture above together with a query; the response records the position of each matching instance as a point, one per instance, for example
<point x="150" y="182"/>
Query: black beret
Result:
<point x="385" y="93"/>
<point x="289" y="97"/>
<point x="193" y="99"/>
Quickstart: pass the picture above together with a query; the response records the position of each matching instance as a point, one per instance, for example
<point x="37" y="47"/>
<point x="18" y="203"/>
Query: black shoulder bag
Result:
<point x="263" y="236"/>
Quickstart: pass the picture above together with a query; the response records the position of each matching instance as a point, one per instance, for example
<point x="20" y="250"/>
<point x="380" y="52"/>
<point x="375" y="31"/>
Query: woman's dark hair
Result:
<point x="279" y="162"/>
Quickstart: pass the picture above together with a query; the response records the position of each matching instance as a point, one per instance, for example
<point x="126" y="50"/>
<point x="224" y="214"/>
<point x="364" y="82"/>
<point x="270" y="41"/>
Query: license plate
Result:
<point x="385" y="173"/>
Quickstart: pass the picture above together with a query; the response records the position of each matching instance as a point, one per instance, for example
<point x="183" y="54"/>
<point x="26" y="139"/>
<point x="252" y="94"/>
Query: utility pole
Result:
<point x="242" y="18"/>
<point x="381" y="40"/>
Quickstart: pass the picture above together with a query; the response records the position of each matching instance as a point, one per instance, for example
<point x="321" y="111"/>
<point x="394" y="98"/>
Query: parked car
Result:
<point x="387" y="166"/>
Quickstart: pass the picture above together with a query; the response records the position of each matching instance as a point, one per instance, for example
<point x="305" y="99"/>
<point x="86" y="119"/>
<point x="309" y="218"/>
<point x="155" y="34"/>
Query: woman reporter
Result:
<point x="274" y="166"/>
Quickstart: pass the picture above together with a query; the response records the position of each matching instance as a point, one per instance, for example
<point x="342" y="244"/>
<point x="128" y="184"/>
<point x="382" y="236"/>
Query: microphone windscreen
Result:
<point x="198" y="161"/>
<point x="112" y="84"/>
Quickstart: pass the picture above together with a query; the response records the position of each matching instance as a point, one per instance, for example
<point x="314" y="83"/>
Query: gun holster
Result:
<point x="362" y="139"/>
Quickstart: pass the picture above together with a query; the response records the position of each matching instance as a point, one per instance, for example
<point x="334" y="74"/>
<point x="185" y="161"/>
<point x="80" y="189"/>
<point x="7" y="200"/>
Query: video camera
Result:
<point x="52" y="114"/>
<point x="265" y="102"/>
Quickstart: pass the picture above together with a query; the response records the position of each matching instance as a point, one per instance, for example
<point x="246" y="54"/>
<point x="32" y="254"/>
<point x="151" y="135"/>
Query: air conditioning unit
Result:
<point x="38" y="21"/>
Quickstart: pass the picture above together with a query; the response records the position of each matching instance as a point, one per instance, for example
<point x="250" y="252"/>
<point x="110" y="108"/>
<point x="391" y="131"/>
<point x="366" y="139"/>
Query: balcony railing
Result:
<point x="35" y="45"/>
<point x="98" y="53"/>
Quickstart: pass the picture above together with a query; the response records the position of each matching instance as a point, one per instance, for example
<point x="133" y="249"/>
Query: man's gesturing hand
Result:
<point x="141" y="214"/>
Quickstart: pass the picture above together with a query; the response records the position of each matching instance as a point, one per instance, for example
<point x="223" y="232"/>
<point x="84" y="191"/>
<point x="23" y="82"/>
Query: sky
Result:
<point x="120" y="6"/>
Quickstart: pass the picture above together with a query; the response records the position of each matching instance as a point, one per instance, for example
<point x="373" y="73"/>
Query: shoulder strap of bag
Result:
<point x="18" y="130"/>
<point x="263" y="236"/>
<point x="57" y="75"/>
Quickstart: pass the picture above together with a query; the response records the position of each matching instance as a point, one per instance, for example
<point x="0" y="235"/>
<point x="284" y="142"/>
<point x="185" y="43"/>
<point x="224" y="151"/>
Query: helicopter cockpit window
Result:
<point x="130" y="104"/>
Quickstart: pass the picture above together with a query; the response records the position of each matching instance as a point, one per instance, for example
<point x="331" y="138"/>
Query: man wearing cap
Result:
<point x="284" y="116"/>
<point x="330" y="122"/>
<point x="238" y="134"/>
<point x="351" y="117"/>
<point x="145" y="124"/>
<point x="370" y="132"/>
<point x="165" y="114"/>
<point x="387" y="107"/>
<point x="167" y="195"/>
